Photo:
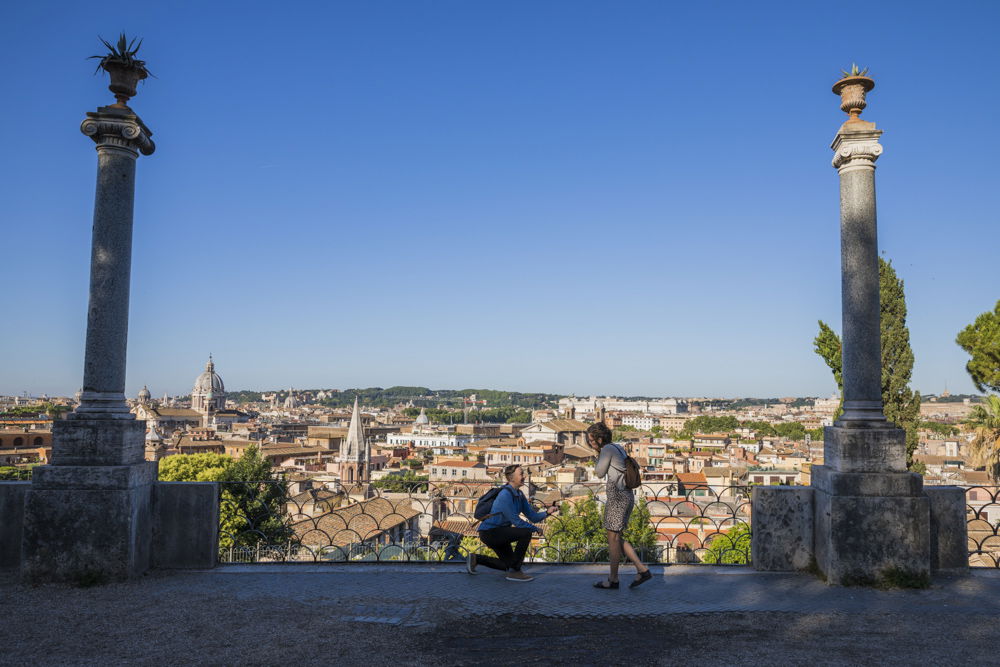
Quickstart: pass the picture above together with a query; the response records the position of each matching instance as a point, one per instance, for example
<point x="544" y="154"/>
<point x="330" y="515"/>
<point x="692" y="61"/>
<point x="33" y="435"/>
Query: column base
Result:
<point x="876" y="450"/>
<point x="101" y="405"/>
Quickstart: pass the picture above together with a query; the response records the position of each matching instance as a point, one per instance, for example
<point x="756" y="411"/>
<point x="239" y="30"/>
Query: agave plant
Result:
<point x="121" y="55"/>
<point x="854" y="71"/>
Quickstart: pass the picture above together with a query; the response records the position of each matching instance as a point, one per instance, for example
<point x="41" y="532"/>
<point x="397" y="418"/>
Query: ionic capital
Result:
<point x="856" y="146"/>
<point x="122" y="131"/>
<point x="857" y="154"/>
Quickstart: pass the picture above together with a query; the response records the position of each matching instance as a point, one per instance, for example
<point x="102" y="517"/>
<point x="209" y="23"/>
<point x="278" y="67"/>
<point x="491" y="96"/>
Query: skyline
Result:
<point x="533" y="198"/>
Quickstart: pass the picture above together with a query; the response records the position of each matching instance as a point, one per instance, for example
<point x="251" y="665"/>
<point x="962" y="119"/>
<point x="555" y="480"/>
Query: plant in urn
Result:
<point x="125" y="70"/>
<point x="852" y="87"/>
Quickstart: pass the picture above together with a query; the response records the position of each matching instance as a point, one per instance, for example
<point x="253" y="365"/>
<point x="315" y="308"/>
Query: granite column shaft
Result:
<point x="856" y="152"/>
<point x="110" y="272"/>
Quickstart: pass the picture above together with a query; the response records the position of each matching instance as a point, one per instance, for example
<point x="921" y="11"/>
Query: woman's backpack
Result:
<point x="632" y="473"/>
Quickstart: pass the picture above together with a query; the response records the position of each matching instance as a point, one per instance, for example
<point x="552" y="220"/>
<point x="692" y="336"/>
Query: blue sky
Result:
<point x="620" y="197"/>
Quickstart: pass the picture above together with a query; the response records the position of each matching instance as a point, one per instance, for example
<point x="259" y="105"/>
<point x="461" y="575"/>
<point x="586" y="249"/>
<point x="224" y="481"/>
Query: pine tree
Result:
<point x="900" y="403"/>
<point x="981" y="340"/>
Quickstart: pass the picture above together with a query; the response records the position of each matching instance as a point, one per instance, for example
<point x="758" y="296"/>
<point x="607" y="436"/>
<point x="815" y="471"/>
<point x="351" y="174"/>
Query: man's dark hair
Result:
<point x="509" y="470"/>
<point x="600" y="433"/>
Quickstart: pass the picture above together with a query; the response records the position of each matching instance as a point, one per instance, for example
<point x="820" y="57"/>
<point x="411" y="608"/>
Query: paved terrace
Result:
<point x="411" y="614"/>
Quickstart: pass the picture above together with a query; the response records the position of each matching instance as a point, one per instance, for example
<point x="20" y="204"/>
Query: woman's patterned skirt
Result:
<point x="618" y="507"/>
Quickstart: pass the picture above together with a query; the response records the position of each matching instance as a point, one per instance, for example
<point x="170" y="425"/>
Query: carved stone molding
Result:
<point x="122" y="131"/>
<point x="862" y="154"/>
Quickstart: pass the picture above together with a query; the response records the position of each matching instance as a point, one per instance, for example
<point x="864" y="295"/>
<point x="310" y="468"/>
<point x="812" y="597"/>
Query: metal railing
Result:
<point x="982" y="508"/>
<point x="282" y="521"/>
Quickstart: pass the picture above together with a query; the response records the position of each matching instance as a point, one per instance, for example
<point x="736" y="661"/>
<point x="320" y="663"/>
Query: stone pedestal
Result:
<point x="872" y="521"/>
<point x="90" y="523"/>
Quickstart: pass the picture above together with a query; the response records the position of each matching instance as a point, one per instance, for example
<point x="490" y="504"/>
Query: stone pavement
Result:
<point x="416" y="614"/>
<point x="417" y="594"/>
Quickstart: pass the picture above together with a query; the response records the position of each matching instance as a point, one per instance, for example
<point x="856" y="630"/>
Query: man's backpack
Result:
<point x="484" y="506"/>
<point x="633" y="476"/>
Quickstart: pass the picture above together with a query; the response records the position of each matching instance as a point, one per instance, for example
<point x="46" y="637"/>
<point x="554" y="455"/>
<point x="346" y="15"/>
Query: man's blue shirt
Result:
<point x="507" y="509"/>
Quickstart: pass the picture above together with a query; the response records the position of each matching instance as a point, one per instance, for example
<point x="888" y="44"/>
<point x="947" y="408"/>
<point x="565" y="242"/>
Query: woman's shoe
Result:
<point x="607" y="585"/>
<point x="641" y="578"/>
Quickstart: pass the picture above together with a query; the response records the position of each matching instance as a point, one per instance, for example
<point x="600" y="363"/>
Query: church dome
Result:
<point x="422" y="418"/>
<point x="144" y="394"/>
<point x="209" y="380"/>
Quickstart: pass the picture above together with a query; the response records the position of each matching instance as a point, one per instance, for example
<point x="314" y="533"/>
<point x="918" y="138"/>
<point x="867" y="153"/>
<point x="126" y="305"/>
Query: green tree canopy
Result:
<point x="204" y="467"/>
<point x="578" y="531"/>
<point x="730" y="548"/>
<point x="15" y="474"/>
<point x="791" y="430"/>
<point x="408" y="482"/>
<point x="946" y="430"/>
<point x="827" y="345"/>
<point x="900" y="403"/>
<point x="503" y="415"/>
<point x="253" y="503"/>
<point x="981" y="340"/>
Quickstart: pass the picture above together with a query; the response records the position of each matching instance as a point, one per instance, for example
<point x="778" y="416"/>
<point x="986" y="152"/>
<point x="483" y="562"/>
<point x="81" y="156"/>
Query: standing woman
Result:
<point x="618" y="507"/>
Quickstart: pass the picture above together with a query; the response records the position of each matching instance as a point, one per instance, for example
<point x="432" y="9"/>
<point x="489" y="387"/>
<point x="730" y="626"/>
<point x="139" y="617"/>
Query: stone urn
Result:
<point x="124" y="79"/>
<point x="852" y="90"/>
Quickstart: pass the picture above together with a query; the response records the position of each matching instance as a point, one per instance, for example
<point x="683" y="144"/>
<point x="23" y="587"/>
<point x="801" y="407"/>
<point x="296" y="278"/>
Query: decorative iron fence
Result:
<point x="281" y="521"/>
<point x="982" y="509"/>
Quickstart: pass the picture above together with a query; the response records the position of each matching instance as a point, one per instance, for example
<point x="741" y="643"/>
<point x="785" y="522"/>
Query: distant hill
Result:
<point x="421" y="397"/>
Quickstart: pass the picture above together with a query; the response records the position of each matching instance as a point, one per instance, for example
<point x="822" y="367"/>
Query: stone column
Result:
<point x="871" y="518"/>
<point x="864" y="519"/>
<point x="856" y="148"/>
<point x="120" y="136"/>
<point x="87" y="515"/>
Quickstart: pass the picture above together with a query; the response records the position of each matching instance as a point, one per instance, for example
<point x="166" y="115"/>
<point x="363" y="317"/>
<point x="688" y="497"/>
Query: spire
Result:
<point x="210" y="366"/>
<point x="354" y="446"/>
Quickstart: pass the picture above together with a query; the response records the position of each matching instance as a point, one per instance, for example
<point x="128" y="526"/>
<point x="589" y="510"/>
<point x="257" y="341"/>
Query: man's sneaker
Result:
<point x="470" y="564"/>
<point x="517" y="575"/>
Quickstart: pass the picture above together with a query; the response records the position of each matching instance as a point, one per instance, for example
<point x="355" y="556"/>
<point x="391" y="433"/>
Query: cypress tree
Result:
<point x="900" y="403"/>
